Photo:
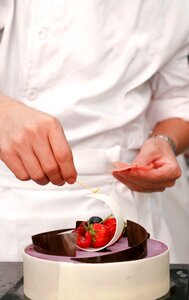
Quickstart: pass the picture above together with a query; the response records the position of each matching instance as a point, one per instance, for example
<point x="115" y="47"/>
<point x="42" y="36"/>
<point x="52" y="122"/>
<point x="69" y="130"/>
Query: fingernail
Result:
<point x="71" y="180"/>
<point x="62" y="183"/>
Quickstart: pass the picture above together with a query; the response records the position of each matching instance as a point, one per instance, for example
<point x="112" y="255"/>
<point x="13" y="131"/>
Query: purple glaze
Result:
<point x="154" y="248"/>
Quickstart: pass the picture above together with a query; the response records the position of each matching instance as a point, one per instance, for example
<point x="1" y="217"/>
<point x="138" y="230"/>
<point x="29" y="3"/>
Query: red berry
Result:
<point x="84" y="241"/>
<point x="82" y="228"/>
<point x="100" y="235"/>
<point x="111" y="224"/>
<point x="95" y="219"/>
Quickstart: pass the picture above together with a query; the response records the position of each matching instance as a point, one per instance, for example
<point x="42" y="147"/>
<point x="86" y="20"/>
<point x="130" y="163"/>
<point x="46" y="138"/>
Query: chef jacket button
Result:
<point x="32" y="95"/>
<point x="42" y="34"/>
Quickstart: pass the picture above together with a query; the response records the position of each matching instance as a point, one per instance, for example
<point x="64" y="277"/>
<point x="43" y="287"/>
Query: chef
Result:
<point x="84" y="84"/>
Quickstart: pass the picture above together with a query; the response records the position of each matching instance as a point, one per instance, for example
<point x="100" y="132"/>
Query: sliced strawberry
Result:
<point x="84" y="241"/>
<point x="100" y="235"/>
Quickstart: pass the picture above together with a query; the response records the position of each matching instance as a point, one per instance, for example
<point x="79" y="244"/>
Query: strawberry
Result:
<point x="84" y="241"/>
<point x="111" y="224"/>
<point x="100" y="235"/>
<point x="82" y="228"/>
<point x="96" y="232"/>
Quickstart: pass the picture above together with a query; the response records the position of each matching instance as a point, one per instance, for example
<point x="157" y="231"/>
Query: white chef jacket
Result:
<point x="108" y="70"/>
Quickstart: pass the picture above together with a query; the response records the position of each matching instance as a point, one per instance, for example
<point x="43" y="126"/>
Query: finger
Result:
<point x="143" y="186"/>
<point x="163" y="174"/>
<point x="146" y="182"/>
<point x="141" y="189"/>
<point x="48" y="163"/>
<point x="33" y="167"/>
<point x="121" y="166"/>
<point x="14" y="163"/>
<point x="62" y="154"/>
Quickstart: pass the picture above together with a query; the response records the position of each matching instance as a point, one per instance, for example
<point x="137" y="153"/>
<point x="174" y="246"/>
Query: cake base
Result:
<point x="51" y="277"/>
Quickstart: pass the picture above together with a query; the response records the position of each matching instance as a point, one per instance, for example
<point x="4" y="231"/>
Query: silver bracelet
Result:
<point x="168" y="139"/>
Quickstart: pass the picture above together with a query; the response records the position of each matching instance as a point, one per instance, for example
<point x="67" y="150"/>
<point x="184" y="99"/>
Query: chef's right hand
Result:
<point x="33" y="144"/>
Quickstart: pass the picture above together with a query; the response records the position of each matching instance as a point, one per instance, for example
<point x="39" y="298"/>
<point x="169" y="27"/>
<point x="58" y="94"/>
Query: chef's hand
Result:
<point x="33" y="144"/>
<point x="164" y="173"/>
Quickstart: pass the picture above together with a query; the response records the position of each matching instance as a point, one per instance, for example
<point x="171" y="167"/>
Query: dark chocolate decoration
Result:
<point x="64" y="243"/>
<point x="61" y="242"/>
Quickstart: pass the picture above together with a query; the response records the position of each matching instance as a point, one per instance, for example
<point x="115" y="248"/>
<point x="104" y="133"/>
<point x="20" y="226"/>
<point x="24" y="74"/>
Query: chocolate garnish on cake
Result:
<point x="63" y="243"/>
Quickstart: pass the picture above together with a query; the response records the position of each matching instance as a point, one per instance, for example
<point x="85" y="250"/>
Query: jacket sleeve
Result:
<point x="170" y="89"/>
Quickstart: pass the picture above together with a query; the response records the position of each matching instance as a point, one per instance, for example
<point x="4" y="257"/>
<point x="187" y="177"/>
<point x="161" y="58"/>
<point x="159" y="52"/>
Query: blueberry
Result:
<point x="95" y="219"/>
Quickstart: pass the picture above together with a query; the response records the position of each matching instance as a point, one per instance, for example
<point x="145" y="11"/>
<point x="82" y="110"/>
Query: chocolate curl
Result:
<point x="137" y="238"/>
<point x="136" y="233"/>
<point x="58" y="242"/>
<point x="64" y="243"/>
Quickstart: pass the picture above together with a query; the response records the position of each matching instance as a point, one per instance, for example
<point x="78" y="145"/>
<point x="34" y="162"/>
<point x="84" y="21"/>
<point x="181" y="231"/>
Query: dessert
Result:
<point x="128" y="267"/>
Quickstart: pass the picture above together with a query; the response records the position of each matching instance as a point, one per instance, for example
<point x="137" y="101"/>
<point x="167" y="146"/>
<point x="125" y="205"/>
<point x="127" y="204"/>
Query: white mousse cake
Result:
<point x="50" y="277"/>
<point x="129" y="268"/>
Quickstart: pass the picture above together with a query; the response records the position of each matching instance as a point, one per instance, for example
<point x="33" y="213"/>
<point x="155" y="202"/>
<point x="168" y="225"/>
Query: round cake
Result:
<point x="130" y="266"/>
<point x="50" y="277"/>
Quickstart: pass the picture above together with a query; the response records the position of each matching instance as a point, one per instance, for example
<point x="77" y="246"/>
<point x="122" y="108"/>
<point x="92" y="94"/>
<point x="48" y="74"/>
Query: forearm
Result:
<point x="177" y="130"/>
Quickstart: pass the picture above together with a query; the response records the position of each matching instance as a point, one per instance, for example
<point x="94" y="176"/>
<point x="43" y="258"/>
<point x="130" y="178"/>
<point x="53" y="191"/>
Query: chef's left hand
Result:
<point x="164" y="173"/>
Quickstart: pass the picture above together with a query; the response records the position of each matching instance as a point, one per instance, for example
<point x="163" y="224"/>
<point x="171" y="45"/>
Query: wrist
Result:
<point x="166" y="138"/>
